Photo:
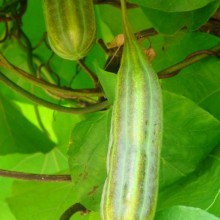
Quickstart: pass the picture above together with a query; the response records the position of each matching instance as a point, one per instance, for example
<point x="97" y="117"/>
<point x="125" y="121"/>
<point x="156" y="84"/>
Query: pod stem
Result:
<point x="126" y="26"/>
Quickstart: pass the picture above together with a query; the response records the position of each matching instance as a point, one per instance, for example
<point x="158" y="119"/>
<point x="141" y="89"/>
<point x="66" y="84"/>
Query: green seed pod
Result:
<point x="70" y="26"/>
<point x="131" y="187"/>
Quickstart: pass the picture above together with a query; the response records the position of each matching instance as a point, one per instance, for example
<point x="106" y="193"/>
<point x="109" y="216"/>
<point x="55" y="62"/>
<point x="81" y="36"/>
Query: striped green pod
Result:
<point x="71" y="27"/>
<point x="131" y="188"/>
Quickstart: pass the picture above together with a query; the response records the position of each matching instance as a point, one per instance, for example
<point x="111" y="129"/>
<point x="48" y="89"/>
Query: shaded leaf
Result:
<point x="173" y="5"/>
<point x="17" y="134"/>
<point x="170" y="23"/>
<point x="183" y="42"/>
<point x="34" y="10"/>
<point x="109" y="19"/>
<point x="214" y="207"/>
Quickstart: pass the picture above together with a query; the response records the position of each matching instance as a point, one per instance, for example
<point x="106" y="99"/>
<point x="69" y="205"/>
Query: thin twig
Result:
<point x="41" y="41"/>
<point x="145" y="33"/>
<point x="45" y="70"/>
<point x="62" y="92"/>
<point x="92" y="75"/>
<point x="39" y="101"/>
<point x="35" y="177"/>
<point x="189" y="60"/>
<point x="21" y="12"/>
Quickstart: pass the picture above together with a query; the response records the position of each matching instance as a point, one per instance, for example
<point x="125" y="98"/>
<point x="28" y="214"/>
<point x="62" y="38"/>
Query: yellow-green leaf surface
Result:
<point x="184" y="213"/>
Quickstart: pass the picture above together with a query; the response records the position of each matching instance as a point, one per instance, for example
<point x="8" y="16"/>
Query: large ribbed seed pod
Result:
<point x="131" y="187"/>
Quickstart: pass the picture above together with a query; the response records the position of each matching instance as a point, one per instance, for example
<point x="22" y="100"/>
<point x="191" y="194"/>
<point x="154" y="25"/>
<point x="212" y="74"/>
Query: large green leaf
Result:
<point x="108" y="82"/>
<point x="52" y="162"/>
<point x="171" y="22"/>
<point x="34" y="10"/>
<point x="190" y="134"/>
<point x="173" y="49"/>
<point x="173" y="5"/>
<point x="63" y="125"/>
<point x="199" y="189"/>
<point x="5" y="192"/>
<point x="87" y="157"/>
<point x="110" y="17"/>
<point x="214" y="207"/>
<point x="199" y="82"/>
<point x="184" y="213"/>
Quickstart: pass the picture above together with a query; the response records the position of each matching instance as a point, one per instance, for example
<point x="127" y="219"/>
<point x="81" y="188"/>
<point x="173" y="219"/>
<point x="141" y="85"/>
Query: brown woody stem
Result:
<point x="191" y="59"/>
<point x="37" y="100"/>
<point x="35" y="177"/>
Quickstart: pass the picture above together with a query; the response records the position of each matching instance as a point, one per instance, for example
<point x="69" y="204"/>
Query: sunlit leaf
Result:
<point x="184" y="213"/>
<point x="87" y="157"/>
<point x="39" y="163"/>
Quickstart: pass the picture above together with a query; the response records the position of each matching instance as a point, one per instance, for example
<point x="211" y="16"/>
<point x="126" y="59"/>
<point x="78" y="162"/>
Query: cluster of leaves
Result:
<point x="36" y="139"/>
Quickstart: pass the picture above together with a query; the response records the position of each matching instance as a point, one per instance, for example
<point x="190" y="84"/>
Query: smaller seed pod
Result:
<point x="70" y="26"/>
